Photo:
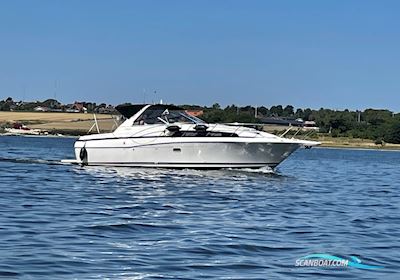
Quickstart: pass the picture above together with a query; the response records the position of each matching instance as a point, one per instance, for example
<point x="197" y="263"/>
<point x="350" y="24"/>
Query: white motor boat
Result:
<point x="166" y="136"/>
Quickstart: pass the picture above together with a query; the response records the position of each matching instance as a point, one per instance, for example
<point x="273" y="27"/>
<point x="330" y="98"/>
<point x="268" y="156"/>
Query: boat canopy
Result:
<point x="129" y="110"/>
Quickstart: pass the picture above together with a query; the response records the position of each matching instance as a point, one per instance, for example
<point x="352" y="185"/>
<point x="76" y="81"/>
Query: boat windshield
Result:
<point x="159" y="116"/>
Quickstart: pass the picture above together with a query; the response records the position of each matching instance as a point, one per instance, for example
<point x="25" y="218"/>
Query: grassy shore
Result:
<point x="346" y="142"/>
<point x="79" y="124"/>
<point x="47" y="116"/>
<point x="65" y="123"/>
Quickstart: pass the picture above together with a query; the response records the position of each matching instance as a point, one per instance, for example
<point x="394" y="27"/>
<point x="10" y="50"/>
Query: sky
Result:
<point x="331" y="54"/>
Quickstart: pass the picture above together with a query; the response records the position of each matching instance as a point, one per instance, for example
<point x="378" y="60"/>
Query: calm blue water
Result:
<point x="67" y="222"/>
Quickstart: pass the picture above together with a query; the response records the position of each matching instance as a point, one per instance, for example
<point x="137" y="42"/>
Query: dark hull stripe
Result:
<point x="194" y="142"/>
<point x="188" y="163"/>
<point x="166" y="136"/>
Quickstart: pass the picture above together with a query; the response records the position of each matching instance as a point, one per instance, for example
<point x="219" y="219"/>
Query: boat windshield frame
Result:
<point x="166" y="116"/>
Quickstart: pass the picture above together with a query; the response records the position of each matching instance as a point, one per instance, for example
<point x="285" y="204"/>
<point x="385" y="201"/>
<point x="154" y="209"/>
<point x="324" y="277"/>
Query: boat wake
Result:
<point x="162" y="174"/>
<point x="261" y="170"/>
<point x="31" y="161"/>
<point x="146" y="173"/>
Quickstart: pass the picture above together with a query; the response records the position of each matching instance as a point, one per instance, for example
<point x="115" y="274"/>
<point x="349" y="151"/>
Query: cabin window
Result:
<point x="161" y="116"/>
<point x="203" y="134"/>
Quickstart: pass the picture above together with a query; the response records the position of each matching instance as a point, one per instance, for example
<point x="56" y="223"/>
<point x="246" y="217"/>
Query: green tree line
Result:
<point x="378" y="125"/>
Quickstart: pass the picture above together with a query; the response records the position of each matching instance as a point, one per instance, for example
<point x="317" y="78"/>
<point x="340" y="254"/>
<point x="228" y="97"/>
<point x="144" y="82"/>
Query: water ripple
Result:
<point x="67" y="222"/>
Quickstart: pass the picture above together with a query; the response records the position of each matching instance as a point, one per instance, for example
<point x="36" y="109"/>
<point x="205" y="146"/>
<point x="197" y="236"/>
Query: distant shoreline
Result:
<point x="358" y="147"/>
<point x="354" y="143"/>
<point x="76" y="124"/>
<point x="390" y="147"/>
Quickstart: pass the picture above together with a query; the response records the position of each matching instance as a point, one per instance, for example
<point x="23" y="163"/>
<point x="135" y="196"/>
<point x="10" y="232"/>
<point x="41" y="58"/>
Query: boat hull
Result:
<point x="188" y="154"/>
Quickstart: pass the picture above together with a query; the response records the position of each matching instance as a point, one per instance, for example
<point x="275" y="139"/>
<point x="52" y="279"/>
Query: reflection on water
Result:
<point x="64" y="221"/>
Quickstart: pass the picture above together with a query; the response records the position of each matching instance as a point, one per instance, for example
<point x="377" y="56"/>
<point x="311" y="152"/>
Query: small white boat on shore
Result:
<point x="20" y="129"/>
<point x="166" y="136"/>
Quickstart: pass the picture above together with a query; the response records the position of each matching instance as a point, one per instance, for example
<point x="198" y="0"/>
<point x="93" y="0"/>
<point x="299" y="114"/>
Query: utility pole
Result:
<point x="255" y="112"/>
